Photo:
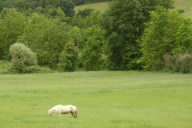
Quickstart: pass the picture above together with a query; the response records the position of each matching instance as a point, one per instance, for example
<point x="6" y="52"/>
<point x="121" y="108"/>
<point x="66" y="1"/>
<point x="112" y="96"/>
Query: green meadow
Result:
<point x="104" y="99"/>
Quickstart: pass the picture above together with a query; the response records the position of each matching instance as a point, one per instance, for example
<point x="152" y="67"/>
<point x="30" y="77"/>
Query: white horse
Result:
<point x="63" y="109"/>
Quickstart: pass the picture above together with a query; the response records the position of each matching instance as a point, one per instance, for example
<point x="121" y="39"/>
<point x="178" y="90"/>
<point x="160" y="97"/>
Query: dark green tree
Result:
<point x="12" y="24"/>
<point x="93" y="19"/>
<point x="93" y="50"/>
<point x="66" y="5"/>
<point x="126" y="18"/>
<point x="46" y="37"/>
<point x="76" y="36"/>
<point x="68" y="58"/>
<point x="85" y="12"/>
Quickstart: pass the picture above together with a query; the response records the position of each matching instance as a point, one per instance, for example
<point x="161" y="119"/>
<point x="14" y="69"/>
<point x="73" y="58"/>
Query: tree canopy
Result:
<point x="129" y="35"/>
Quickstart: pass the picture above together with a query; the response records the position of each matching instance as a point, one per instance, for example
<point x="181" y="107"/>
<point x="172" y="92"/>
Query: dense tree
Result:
<point x="125" y="20"/>
<point x="53" y="13"/>
<point x="68" y="57"/>
<point x="66" y="5"/>
<point x="78" y="2"/>
<point x="160" y="37"/>
<point x="12" y="24"/>
<point x="93" y="19"/>
<point x="184" y="37"/>
<point x="84" y="13"/>
<point x="46" y="37"/>
<point x="92" y="52"/>
<point x="76" y="36"/>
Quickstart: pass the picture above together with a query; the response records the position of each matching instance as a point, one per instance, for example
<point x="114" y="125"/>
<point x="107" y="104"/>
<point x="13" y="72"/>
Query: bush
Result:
<point x="22" y="57"/>
<point x="22" y="54"/>
<point x="28" y="69"/>
<point x="4" y="66"/>
<point x="179" y="62"/>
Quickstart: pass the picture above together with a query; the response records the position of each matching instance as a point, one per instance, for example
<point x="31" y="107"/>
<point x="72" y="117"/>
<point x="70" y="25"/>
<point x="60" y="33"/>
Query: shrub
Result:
<point x="28" y="69"/>
<point x="22" y="57"/>
<point x="4" y="66"/>
<point x="179" y="62"/>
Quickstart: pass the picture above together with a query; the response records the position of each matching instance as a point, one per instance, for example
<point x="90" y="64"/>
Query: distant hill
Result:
<point x="185" y="5"/>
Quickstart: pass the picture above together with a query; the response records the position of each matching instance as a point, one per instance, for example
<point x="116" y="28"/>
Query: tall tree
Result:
<point x="68" y="57"/>
<point x="66" y="5"/>
<point x="12" y="24"/>
<point x="46" y="37"/>
<point x="92" y="52"/>
<point x="160" y="37"/>
<point x="124" y="21"/>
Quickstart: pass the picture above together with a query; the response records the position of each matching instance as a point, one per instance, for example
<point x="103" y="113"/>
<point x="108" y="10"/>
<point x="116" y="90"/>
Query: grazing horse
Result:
<point x="63" y="109"/>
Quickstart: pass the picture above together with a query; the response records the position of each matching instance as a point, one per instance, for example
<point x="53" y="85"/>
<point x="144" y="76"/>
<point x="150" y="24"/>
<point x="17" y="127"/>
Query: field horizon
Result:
<point x="107" y="99"/>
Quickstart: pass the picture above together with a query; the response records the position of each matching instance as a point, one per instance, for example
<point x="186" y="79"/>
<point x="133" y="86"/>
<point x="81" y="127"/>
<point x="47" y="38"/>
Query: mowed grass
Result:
<point x="104" y="100"/>
<point x="100" y="6"/>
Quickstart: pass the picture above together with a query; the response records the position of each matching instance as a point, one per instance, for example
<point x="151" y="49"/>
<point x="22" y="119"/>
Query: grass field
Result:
<point x="185" y="5"/>
<point x="104" y="100"/>
<point x="101" y="6"/>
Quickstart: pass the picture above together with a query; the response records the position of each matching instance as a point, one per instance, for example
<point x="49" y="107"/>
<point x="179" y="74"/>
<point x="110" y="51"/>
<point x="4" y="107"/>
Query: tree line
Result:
<point x="130" y="35"/>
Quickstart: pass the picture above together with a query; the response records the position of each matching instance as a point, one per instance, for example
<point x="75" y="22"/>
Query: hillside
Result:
<point x="101" y="6"/>
<point x="185" y="5"/>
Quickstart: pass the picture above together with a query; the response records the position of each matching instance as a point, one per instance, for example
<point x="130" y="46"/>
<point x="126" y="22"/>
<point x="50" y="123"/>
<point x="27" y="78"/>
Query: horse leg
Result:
<point x="59" y="113"/>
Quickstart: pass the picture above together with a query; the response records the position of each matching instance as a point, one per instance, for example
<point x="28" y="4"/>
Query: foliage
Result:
<point x="20" y="52"/>
<point x="84" y="13"/>
<point x="159" y="37"/>
<point x="68" y="57"/>
<point x="28" y="69"/>
<point x="30" y="5"/>
<point x="76" y="36"/>
<point x="12" y="24"/>
<point x="66" y="5"/>
<point x="22" y="57"/>
<point x="46" y="37"/>
<point x="92" y="52"/>
<point x="179" y="62"/>
<point x="110" y="39"/>
<point x="52" y="12"/>
<point x="4" y="66"/>
<point x="123" y="22"/>
<point x="184" y="37"/>
<point x="79" y="2"/>
<point x="91" y="20"/>
<point x="125" y="19"/>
